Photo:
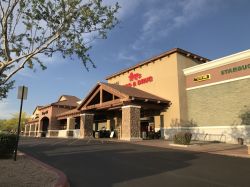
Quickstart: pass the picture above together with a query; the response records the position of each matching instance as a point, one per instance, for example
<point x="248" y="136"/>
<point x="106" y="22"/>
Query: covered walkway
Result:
<point x="118" y="109"/>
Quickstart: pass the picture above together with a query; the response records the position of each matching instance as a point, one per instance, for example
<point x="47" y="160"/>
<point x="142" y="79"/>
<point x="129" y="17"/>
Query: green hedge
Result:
<point x="183" y="138"/>
<point x="7" y="144"/>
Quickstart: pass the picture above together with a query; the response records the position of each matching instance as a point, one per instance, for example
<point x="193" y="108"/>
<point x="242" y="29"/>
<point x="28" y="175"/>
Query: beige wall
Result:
<point x="219" y="104"/>
<point x="48" y="111"/>
<point x="54" y="122"/>
<point x="51" y="113"/>
<point x="182" y="63"/>
<point x="165" y="82"/>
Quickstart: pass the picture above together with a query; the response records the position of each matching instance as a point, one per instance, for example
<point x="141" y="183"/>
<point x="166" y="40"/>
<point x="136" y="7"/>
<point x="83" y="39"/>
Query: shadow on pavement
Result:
<point x="96" y="164"/>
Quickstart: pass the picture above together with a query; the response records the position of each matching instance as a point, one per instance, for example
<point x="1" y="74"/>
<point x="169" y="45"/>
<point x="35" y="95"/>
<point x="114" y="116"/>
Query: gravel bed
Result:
<point x="25" y="173"/>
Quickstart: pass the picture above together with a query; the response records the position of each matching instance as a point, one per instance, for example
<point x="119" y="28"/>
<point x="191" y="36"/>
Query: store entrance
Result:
<point x="148" y="128"/>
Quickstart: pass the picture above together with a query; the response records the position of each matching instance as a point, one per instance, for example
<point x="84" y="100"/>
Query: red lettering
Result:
<point x="139" y="81"/>
<point x="129" y="85"/>
<point x="133" y="76"/>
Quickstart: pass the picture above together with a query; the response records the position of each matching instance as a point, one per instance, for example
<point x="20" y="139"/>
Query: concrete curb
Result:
<point x="179" y="145"/>
<point x="62" y="180"/>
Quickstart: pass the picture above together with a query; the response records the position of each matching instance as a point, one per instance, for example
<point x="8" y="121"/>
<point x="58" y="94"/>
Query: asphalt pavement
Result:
<point x="109" y="163"/>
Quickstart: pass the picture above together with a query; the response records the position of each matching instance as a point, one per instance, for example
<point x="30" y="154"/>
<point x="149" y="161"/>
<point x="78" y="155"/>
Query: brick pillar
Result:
<point x="86" y="125"/>
<point x="130" y="123"/>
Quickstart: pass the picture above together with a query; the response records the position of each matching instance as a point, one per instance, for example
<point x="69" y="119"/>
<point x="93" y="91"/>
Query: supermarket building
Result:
<point x="169" y="92"/>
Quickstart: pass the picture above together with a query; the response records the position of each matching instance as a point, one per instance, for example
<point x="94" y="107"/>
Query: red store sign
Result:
<point x="136" y="79"/>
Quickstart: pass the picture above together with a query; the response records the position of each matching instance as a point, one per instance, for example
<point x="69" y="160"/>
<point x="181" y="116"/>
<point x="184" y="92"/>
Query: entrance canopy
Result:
<point x="108" y="97"/>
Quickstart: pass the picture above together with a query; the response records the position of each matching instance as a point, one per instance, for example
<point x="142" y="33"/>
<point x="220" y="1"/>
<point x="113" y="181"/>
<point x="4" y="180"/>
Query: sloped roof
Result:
<point x="198" y="58"/>
<point x="134" y="92"/>
<point x="70" y="101"/>
<point x="70" y="112"/>
<point x="126" y="92"/>
<point x="37" y="107"/>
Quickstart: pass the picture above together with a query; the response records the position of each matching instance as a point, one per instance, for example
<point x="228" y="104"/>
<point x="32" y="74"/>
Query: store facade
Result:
<point x="164" y="93"/>
<point x="218" y="98"/>
<point x="44" y="122"/>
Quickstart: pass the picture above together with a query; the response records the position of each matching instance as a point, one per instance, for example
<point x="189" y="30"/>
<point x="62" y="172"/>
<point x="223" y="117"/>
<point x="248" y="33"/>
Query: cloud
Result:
<point x="161" y="19"/>
<point x="124" y="55"/>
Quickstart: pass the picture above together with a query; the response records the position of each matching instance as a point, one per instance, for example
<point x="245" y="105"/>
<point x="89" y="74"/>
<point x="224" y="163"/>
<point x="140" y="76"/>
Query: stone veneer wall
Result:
<point x="130" y="123"/>
<point x="219" y="105"/>
<point x="86" y="125"/>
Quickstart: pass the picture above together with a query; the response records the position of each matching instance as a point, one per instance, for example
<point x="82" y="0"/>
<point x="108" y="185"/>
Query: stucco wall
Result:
<point x="165" y="82"/>
<point x="182" y="63"/>
<point x="219" y="105"/>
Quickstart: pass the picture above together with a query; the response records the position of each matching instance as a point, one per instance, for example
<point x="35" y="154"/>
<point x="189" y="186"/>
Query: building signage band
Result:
<point x="235" y="69"/>
<point x="202" y="78"/>
<point x="136" y="79"/>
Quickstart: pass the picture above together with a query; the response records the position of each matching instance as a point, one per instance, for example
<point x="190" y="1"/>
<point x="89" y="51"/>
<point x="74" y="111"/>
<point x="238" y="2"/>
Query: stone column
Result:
<point x="25" y="129"/>
<point x="86" y="125"/>
<point x="108" y="124"/>
<point x="70" y="126"/>
<point x="30" y="129"/>
<point x="39" y="129"/>
<point x="130" y="123"/>
<point x="70" y="123"/>
<point x="35" y="129"/>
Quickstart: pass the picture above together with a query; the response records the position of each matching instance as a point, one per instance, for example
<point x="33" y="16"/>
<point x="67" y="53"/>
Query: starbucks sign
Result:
<point x="235" y="69"/>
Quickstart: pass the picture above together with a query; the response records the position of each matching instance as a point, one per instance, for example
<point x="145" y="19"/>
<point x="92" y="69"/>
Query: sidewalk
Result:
<point x="208" y="147"/>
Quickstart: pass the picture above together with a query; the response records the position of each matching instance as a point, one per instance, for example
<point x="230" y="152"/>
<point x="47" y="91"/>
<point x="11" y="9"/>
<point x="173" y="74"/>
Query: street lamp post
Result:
<point x="22" y="94"/>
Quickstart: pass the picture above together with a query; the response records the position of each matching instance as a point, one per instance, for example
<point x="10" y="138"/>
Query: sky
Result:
<point x="209" y="28"/>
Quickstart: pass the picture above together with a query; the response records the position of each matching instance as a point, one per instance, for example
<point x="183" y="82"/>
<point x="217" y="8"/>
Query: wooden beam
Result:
<point x="101" y="95"/>
<point x="94" y="94"/>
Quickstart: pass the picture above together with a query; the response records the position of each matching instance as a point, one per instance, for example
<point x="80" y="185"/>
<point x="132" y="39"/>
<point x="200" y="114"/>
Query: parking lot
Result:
<point x="109" y="163"/>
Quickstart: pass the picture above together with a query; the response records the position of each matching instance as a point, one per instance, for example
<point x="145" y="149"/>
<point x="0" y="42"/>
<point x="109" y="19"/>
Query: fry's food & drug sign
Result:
<point x="137" y="79"/>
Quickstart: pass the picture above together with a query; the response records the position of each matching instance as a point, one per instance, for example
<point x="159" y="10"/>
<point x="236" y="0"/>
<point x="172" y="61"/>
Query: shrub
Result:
<point x="183" y="138"/>
<point x="7" y="144"/>
<point x="245" y="116"/>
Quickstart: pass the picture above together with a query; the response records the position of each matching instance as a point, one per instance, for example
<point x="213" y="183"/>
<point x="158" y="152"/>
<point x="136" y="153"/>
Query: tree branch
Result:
<point x="4" y="24"/>
<point x="38" y="50"/>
